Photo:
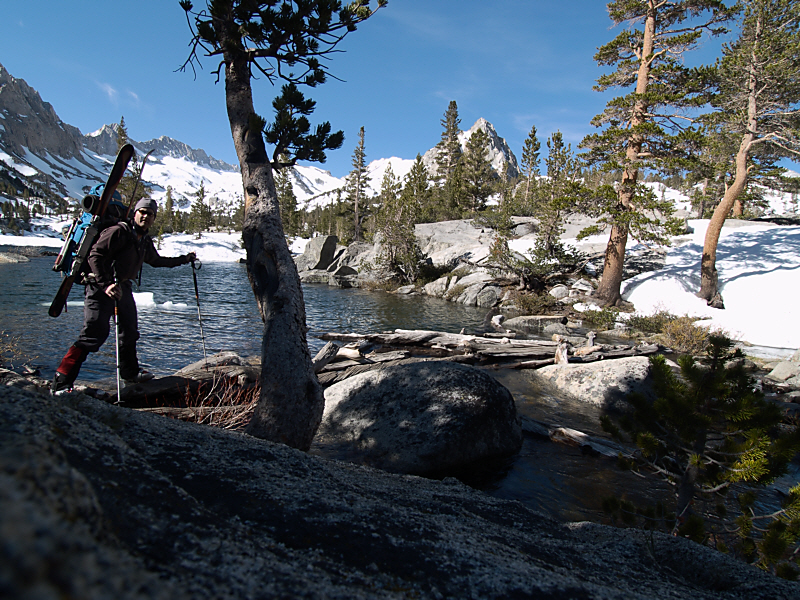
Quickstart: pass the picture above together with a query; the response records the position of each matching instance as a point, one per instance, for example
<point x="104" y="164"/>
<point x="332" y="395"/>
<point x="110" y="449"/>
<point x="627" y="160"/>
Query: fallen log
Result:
<point x="407" y="337"/>
<point x="527" y="364"/>
<point x="514" y="352"/>
<point x="324" y="356"/>
<point x="573" y="437"/>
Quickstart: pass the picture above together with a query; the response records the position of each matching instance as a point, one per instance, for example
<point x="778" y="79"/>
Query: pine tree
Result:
<point x="200" y="217"/>
<point x="417" y="191"/>
<point x="449" y="147"/>
<point x="287" y="200"/>
<point x="169" y="211"/>
<point x="356" y="187"/>
<point x="759" y="104"/>
<point x="529" y="165"/>
<point x="478" y="175"/>
<point x="122" y="134"/>
<point x="128" y="183"/>
<point x="449" y="194"/>
<point x="706" y="432"/>
<point x="398" y="214"/>
<point x="556" y="197"/>
<point x="643" y="129"/>
<point x="291" y="135"/>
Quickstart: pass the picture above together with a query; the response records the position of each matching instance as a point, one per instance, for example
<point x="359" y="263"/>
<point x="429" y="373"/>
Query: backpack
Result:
<point x="85" y="230"/>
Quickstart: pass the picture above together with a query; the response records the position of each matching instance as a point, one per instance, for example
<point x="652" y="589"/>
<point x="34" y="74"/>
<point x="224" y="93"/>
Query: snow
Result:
<point x="25" y="170"/>
<point x="377" y="169"/>
<point x="146" y="301"/>
<point x="759" y="274"/>
<point x="297" y="245"/>
<point x="212" y="247"/>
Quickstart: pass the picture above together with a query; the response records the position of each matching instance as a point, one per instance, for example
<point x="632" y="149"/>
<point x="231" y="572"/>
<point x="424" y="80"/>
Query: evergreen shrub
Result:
<point x="712" y="434"/>
<point x="600" y="319"/>
<point x="654" y="323"/>
<point x="681" y="334"/>
<point x="534" y="304"/>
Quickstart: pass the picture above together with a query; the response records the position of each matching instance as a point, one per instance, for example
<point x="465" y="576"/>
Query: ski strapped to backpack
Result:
<point x="84" y="231"/>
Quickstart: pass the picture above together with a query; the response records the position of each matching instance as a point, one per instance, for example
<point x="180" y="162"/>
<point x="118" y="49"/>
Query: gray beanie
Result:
<point x="147" y="203"/>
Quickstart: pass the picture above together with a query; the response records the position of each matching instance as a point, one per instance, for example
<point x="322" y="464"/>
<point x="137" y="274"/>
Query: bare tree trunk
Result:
<point x="609" y="289"/>
<point x="709" y="289"/>
<point x="291" y="404"/>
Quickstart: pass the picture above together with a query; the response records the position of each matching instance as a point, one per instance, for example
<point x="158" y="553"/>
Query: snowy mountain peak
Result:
<point x="36" y="144"/>
<point x="499" y="151"/>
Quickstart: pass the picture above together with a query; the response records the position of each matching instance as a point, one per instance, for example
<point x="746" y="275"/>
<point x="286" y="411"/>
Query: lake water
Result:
<point x="168" y="319"/>
<point x="552" y="478"/>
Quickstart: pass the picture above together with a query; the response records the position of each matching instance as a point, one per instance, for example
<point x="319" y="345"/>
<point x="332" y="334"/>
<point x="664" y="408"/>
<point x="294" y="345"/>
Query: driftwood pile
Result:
<point x="365" y="352"/>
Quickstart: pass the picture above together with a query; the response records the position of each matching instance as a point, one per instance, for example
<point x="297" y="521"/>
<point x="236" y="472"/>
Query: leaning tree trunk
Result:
<point x="291" y="403"/>
<point x="709" y="289"/>
<point x="609" y="290"/>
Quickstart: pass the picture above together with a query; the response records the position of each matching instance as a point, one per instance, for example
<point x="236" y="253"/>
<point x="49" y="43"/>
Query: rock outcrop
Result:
<point x="98" y="501"/>
<point x="603" y="383"/>
<point x="30" y="123"/>
<point x="419" y="418"/>
<point x="785" y="375"/>
<point x="13" y="257"/>
<point x="318" y="254"/>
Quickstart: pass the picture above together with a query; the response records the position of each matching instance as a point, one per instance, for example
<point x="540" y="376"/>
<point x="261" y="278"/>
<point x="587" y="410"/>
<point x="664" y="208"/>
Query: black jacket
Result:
<point x="118" y="250"/>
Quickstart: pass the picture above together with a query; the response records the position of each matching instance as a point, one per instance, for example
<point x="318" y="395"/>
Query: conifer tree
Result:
<point x="286" y="199"/>
<point x="128" y="183"/>
<point x="122" y="133"/>
<point x="357" y="182"/>
<point x="556" y="197"/>
<point x="449" y="146"/>
<point x="529" y="171"/>
<point x="398" y="214"/>
<point x="169" y="211"/>
<point x="200" y="217"/>
<point x="642" y="129"/>
<point x="278" y="41"/>
<point x="759" y="104"/>
<point x="452" y="195"/>
<point x="290" y="134"/>
<point x="449" y="178"/>
<point x="478" y="175"/>
<point x="166" y="215"/>
<point x="417" y="192"/>
<point x="707" y="431"/>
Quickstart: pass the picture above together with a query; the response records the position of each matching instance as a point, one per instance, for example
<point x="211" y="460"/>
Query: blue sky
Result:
<point x="515" y="63"/>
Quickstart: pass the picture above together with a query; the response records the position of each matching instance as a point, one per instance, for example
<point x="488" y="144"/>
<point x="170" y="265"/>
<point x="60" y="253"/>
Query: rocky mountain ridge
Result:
<point x="499" y="152"/>
<point x="37" y="146"/>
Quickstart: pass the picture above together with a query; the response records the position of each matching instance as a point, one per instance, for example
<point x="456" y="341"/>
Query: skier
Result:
<point x="114" y="261"/>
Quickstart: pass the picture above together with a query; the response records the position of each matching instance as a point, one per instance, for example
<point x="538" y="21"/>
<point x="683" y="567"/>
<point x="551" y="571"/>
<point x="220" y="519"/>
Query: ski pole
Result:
<point x="116" y="335"/>
<point x="196" y="266"/>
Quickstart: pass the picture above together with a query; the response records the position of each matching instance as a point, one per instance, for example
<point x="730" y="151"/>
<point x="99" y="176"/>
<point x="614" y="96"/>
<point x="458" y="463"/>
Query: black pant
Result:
<point x="98" y="308"/>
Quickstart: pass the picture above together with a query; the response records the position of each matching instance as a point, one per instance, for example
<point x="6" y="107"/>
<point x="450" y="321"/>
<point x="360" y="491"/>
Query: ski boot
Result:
<point x="140" y="377"/>
<point x="61" y="385"/>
